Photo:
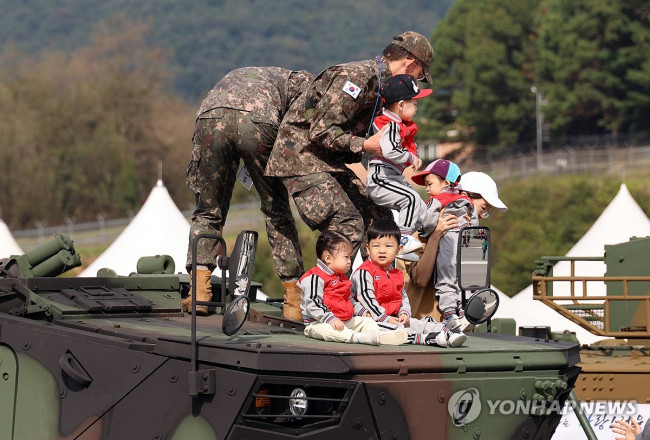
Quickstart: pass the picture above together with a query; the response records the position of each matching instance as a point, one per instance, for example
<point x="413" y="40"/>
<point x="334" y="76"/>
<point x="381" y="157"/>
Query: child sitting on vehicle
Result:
<point x="379" y="291"/>
<point x="440" y="178"/>
<point x="385" y="183"/>
<point x="327" y="307"/>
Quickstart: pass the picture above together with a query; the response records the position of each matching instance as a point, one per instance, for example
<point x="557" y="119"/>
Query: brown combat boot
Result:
<point x="292" y="299"/>
<point x="203" y="292"/>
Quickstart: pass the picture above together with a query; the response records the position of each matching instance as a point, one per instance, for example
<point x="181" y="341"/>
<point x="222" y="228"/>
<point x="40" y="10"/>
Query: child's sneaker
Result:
<point x="466" y="326"/>
<point x="410" y="244"/>
<point x="456" y="339"/>
<point x="446" y="338"/>
<point x="368" y="338"/>
<point x="452" y="321"/>
<point x="437" y="338"/>
<point x="393" y="337"/>
<point x="409" y="257"/>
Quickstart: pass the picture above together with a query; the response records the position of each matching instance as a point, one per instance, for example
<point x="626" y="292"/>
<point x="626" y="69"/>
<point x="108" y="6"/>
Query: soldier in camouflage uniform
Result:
<point x="239" y="119"/>
<point x="327" y="128"/>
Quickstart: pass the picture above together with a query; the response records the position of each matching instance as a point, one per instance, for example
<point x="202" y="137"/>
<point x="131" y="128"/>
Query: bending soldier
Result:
<point x="239" y="119"/>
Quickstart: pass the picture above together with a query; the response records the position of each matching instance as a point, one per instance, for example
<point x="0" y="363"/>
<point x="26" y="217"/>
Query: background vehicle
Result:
<point x="614" y="305"/>
<point x="114" y="357"/>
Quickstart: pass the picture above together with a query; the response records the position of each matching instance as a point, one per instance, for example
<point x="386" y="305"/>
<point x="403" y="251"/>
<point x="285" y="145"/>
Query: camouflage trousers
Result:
<point x="336" y="201"/>
<point x="221" y="138"/>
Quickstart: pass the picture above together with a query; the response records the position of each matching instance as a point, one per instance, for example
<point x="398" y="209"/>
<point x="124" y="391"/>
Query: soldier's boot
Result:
<point x="292" y="299"/>
<point x="203" y="292"/>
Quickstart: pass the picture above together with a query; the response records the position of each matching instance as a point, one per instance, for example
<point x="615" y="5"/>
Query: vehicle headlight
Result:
<point x="298" y="402"/>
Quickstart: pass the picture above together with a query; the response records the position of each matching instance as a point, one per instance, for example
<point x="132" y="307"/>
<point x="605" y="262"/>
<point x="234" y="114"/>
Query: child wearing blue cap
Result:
<point x="441" y="178"/>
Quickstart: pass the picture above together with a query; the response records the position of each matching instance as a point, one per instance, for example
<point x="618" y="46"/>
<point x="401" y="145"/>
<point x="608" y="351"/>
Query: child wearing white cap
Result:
<point x="483" y="191"/>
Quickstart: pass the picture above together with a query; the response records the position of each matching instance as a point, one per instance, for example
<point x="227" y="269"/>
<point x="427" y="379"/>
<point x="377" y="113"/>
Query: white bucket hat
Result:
<point x="480" y="183"/>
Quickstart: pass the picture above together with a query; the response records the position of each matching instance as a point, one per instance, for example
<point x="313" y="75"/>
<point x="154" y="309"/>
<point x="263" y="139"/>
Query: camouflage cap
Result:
<point x="420" y="47"/>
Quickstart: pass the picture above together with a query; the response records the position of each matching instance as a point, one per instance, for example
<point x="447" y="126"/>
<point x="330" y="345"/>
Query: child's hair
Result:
<point x="449" y="184"/>
<point x="384" y="228"/>
<point x="330" y="241"/>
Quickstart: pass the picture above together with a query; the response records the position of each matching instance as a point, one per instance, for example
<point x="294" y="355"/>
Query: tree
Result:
<point x="84" y="132"/>
<point x="481" y="71"/>
<point x="594" y="67"/>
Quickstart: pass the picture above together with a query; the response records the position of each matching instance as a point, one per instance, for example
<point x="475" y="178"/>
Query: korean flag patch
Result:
<point x="352" y="89"/>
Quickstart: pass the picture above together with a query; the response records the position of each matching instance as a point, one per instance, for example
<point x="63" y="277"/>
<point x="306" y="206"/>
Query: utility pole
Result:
<point x="539" y="117"/>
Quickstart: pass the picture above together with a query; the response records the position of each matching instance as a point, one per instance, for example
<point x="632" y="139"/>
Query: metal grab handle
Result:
<point x="74" y="370"/>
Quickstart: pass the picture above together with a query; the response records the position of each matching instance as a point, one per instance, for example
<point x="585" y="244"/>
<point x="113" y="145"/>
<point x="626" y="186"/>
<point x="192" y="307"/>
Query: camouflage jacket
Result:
<point x="266" y="91"/>
<point x="325" y="127"/>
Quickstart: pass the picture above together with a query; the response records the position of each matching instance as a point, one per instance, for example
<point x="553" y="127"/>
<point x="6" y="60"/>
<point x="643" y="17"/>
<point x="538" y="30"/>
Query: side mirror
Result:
<point x="242" y="264"/>
<point x="481" y="306"/>
<point x="236" y="315"/>
<point x="473" y="258"/>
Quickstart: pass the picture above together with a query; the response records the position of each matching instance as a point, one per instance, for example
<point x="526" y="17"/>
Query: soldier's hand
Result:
<point x="371" y="145"/>
<point x="337" y="324"/>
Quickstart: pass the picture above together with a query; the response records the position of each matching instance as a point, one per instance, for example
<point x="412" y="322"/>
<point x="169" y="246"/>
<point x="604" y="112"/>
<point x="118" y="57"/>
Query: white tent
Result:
<point x="622" y="219"/>
<point x="159" y="228"/>
<point x="8" y="245"/>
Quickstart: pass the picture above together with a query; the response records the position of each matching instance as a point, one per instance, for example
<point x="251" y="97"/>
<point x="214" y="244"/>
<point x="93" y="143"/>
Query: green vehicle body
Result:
<point x="114" y="357"/>
<point x="617" y="368"/>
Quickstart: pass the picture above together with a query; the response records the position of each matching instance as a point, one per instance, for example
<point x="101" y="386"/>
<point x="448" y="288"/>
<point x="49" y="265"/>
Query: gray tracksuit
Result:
<point x="446" y="277"/>
<point x="385" y="183"/>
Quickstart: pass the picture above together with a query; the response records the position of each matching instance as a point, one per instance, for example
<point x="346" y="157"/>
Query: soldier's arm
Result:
<point x="335" y="113"/>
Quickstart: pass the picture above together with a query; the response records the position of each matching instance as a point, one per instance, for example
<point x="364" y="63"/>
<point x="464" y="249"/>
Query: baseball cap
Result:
<point x="402" y="87"/>
<point x="480" y="183"/>
<point x="442" y="168"/>
<point x="419" y="47"/>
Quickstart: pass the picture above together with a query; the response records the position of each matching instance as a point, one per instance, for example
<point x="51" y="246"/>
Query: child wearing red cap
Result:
<point x="385" y="182"/>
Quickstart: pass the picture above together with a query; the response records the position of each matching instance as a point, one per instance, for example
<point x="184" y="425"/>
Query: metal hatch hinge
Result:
<point x="203" y="382"/>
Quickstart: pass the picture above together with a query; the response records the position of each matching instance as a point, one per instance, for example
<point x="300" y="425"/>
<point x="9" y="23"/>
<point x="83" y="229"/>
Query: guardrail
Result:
<point x="594" y="161"/>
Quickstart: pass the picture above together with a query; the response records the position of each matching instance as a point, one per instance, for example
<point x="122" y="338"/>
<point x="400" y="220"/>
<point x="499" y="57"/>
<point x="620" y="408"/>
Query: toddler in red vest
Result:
<point x="327" y="305"/>
<point x="379" y="291"/>
<point x="385" y="182"/>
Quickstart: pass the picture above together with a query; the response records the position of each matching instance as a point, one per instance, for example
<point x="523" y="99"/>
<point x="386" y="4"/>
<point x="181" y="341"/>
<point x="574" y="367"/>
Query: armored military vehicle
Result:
<point x="614" y="305"/>
<point x="114" y="357"/>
